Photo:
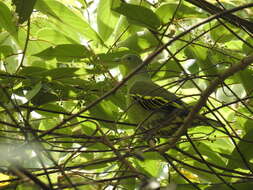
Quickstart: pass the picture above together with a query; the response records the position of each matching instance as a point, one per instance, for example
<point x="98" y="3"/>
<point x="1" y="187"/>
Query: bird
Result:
<point x="157" y="112"/>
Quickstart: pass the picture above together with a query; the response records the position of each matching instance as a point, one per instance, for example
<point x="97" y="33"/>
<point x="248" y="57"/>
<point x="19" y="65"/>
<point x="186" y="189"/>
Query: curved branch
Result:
<point x="233" y="19"/>
<point x="204" y="96"/>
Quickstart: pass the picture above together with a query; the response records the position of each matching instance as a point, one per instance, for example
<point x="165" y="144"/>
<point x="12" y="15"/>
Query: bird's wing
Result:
<point x="153" y="97"/>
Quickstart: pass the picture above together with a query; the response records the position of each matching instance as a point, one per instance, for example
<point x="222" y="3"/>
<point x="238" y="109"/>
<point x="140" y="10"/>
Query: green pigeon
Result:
<point x="157" y="111"/>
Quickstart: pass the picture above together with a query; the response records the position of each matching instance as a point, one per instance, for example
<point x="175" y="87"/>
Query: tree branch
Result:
<point x="204" y="96"/>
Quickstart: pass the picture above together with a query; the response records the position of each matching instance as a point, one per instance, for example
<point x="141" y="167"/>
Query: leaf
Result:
<point x="54" y="36"/>
<point x="3" y="97"/>
<point x="139" y="15"/>
<point x="151" y="165"/>
<point x="196" y="52"/>
<point x="244" y="145"/>
<point x="64" y="52"/>
<point x="246" y="48"/>
<point x="169" y="70"/>
<point x="168" y="10"/>
<point x="105" y="109"/>
<point x="128" y="183"/>
<point x="203" y="56"/>
<point x="245" y="78"/>
<point x="43" y="98"/>
<point x="31" y="71"/>
<point x="60" y="73"/>
<point x="30" y="94"/>
<point x="66" y="20"/>
<point x="221" y="34"/>
<point x="96" y="166"/>
<point x="230" y="94"/>
<point x="5" y="51"/>
<point x="24" y="9"/>
<point x="51" y="107"/>
<point x="110" y="59"/>
<point x="39" y="72"/>
<point x="6" y="19"/>
<point x="106" y="19"/>
<point x="140" y="42"/>
<point x="242" y="185"/>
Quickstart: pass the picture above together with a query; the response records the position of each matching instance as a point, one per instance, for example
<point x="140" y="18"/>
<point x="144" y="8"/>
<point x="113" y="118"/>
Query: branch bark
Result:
<point x="233" y="19"/>
<point x="204" y="96"/>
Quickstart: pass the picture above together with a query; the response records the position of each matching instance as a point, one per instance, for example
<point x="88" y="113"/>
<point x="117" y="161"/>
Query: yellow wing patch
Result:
<point x="156" y="102"/>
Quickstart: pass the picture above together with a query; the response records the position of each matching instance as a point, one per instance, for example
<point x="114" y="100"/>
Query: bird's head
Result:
<point x="128" y="63"/>
<point x="131" y="59"/>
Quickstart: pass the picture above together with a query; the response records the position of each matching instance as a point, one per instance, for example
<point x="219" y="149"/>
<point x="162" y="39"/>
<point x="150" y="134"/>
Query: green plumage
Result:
<point x="157" y="111"/>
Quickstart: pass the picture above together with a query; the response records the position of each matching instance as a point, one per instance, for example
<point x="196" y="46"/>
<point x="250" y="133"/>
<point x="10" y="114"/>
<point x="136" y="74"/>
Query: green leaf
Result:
<point x="221" y="34"/>
<point x="6" y="20"/>
<point x="168" y="10"/>
<point x="110" y="57"/>
<point x="245" y="78"/>
<point x="30" y="94"/>
<point x="230" y="94"/>
<point x="106" y="19"/>
<point x="242" y="185"/>
<point x="43" y="98"/>
<point x="169" y="70"/>
<point x="236" y="160"/>
<point x="140" y="42"/>
<point x="48" y="123"/>
<point x="128" y="183"/>
<point x="105" y="109"/>
<point x="64" y="52"/>
<point x="54" y="36"/>
<point x="196" y="52"/>
<point x="246" y="48"/>
<point x="39" y="72"/>
<point x="31" y="71"/>
<point x="51" y="107"/>
<point x="185" y="187"/>
<point x="203" y="56"/>
<point x="5" y="51"/>
<point x="151" y="165"/>
<point x="96" y="166"/>
<point x="60" y="73"/>
<point x="139" y="15"/>
<point x="27" y="186"/>
<point x="24" y="9"/>
<point x="66" y="20"/>
<point x="3" y="97"/>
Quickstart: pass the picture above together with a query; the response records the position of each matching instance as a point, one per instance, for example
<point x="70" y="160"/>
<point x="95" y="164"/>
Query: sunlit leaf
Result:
<point x="106" y="18"/>
<point x="64" y="16"/>
<point x="6" y="20"/>
<point x="64" y="52"/>
<point x="138" y="15"/>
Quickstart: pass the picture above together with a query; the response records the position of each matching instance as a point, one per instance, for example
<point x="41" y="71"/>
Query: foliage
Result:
<point x="63" y="111"/>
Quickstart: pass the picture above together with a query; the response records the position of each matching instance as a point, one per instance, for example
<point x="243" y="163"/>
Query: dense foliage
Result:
<point x="63" y="121"/>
